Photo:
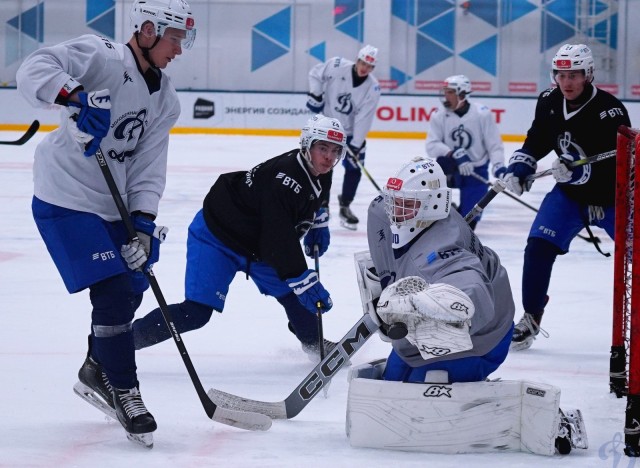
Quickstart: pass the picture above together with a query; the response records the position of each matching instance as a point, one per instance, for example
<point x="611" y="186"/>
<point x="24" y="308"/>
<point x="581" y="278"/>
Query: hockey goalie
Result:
<point x="444" y="302"/>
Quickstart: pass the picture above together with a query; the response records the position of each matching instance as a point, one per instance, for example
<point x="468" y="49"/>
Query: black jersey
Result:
<point x="262" y="213"/>
<point x="590" y="130"/>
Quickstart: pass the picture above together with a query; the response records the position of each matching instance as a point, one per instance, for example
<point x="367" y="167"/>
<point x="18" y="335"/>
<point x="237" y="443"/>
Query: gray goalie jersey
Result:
<point x="446" y="252"/>
<point x="143" y="110"/>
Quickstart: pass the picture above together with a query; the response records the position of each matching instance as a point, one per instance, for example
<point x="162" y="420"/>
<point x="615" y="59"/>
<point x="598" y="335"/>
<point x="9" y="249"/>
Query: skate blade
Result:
<point x="349" y="226"/>
<point x="521" y="345"/>
<point x="579" y="438"/>
<point x="145" y="440"/>
<point x="88" y="395"/>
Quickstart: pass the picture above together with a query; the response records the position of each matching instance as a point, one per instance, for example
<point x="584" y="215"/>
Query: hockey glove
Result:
<point x="318" y="234"/>
<point x="499" y="170"/>
<point x="315" y="103"/>
<point x="145" y="250"/>
<point x="310" y="292"/>
<point x="565" y="175"/>
<point x="521" y="166"/>
<point x="94" y="117"/>
<point x="463" y="161"/>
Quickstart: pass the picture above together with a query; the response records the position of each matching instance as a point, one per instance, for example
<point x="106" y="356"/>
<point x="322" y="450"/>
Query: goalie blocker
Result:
<point x="472" y="417"/>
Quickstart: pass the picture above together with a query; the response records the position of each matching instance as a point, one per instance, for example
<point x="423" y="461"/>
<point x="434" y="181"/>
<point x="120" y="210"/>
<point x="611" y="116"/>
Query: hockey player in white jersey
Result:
<point x="464" y="139"/>
<point x="444" y="301"/>
<point x="347" y="91"/>
<point x="112" y="97"/>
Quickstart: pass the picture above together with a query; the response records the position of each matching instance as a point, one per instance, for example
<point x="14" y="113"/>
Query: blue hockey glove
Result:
<point x="565" y="175"/>
<point x="314" y="103"/>
<point x="499" y="170"/>
<point x="318" y="234"/>
<point x="94" y="117"/>
<point x="521" y="166"/>
<point x="463" y="161"/>
<point x="310" y="292"/>
<point x="144" y="251"/>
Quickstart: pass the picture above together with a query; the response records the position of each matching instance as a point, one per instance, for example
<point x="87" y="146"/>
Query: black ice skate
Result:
<point x="92" y="379"/>
<point x="347" y="218"/>
<point x="134" y="416"/>
<point x="527" y="329"/>
<point x="313" y="350"/>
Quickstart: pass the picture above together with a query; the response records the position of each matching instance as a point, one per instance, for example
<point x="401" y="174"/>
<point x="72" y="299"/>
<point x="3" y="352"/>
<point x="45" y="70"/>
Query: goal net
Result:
<point x="624" y="366"/>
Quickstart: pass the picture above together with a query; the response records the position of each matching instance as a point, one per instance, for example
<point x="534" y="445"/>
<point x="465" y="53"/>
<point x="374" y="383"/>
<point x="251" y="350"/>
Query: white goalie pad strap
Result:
<point x="475" y="417"/>
<point x="437" y="316"/>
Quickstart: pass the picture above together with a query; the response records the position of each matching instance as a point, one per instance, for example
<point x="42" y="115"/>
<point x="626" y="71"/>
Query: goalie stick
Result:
<point x="242" y="420"/>
<point x="322" y="374"/>
<point x="33" y="128"/>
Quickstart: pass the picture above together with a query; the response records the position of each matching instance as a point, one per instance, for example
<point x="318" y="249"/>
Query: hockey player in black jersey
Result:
<point x="575" y="120"/>
<point x="252" y="221"/>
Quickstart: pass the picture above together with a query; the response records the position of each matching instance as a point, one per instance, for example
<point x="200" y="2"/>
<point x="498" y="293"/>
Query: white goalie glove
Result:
<point x="437" y="316"/>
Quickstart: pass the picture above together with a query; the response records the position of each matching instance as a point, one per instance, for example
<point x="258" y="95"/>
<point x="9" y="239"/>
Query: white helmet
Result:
<point x="573" y="57"/>
<point x="320" y="127"/>
<point x="368" y="54"/>
<point x="165" y="14"/>
<point x="460" y="84"/>
<point x="419" y="191"/>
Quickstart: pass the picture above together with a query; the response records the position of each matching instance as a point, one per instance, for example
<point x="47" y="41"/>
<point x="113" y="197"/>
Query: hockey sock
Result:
<point x="350" y="185"/>
<point x="303" y="324"/>
<point x="539" y="256"/>
<point x="152" y="329"/>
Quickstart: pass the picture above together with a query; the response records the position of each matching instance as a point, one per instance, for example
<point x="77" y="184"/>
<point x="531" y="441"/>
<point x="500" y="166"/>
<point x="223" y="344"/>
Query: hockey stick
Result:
<point x="580" y="162"/>
<point x="33" y="128"/>
<point x="363" y="169"/>
<point x="531" y="207"/>
<point x="318" y="378"/>
<point x="242" y="420"/>
<point x="316" y="258"/>
<point x="322" y="374"/>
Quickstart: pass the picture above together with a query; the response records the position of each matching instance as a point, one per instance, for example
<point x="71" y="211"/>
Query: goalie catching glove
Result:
<point x="145" y="250"/>
<point x="437" y="316"/>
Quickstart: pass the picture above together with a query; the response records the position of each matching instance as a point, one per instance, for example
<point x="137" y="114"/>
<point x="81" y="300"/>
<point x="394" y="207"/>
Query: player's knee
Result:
<point x="194" y="315"/>
<point x="113" y="301"/>
<point x="541" y="249"/>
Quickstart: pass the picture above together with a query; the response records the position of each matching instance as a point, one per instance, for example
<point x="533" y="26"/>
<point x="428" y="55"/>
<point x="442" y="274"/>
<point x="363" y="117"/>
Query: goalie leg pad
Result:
<point x="474" y="417"/>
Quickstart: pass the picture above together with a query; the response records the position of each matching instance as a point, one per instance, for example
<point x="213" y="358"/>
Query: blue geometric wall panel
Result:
<point x="429" y="9"/>
<point x="484" y="55"/>
<point x="30" y="22"/>
<point x="486" y="10"/>
<point x="512" y="10"/>
<point x="343" y="9"/>
<point x="270" y="38"/>
<point x="399" y="76"/>
<point x="557" y="32"/>
<point x="428" y="53"/>
<point x="101" y="16"/>
<point x="442" y="29"/>
<point x="600" y="32"/>
<point x="564" y="9"/>
<point x="353" y="26"/>
<point x="404" y="10"/>
<point x="319" y="51"/>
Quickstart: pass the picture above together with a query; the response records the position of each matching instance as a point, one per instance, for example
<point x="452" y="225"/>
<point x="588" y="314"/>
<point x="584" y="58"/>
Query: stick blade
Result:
<point x="224" y="400"/>
<point x="247" y="420"/>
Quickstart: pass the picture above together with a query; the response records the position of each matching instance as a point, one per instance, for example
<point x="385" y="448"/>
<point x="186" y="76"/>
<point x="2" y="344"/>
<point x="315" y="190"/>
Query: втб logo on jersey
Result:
<point x="461" y="138"/>
<point x="128" y="127"/>
<point x="345" y="106"/>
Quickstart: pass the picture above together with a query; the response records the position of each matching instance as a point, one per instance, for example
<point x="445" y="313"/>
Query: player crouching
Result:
<point x="449" y="318"/>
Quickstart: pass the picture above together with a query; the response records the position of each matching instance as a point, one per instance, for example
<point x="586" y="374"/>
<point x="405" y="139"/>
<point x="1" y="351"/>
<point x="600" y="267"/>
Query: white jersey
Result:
<point x="476" y="132"/>
<point x="137" y="142"/>
<point x="354" y="107"/>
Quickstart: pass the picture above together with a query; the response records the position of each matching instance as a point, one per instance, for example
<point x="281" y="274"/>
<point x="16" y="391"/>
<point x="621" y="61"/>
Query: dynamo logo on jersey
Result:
<point x="345" y="104"/>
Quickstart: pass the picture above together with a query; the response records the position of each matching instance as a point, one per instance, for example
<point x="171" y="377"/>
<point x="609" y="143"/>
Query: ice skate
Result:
<point x="525" y="332"/>
<point x="93" y="380"/>
<point x="571" y="432"/>
<point x="134" y="416"/>
<point x="347" y="219"/>
<point x="313" y="350"/>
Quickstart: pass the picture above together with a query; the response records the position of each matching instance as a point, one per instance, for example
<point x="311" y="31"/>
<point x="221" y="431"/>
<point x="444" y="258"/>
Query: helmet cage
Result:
<point x="165" y="14"/>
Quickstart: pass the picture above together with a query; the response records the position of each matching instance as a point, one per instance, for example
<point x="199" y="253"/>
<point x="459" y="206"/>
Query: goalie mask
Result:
<point x="414" y="198"/>
<point x="322" y="128"/>
<point x="165" y="14"/>
<point x="571" y="57"/>
<point x="438" y="316"/>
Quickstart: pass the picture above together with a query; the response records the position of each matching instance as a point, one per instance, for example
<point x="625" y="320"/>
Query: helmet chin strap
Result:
<point x="146" y="50"/>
